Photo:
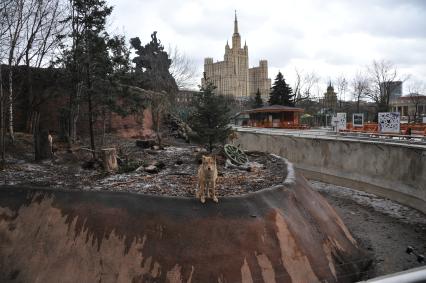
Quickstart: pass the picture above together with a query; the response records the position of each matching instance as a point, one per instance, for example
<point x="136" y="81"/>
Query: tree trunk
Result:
<point x="158" y="129"/>
<point x="42" y="144"/>
<point x="11" y="135"/>
<point x="92" y="136"/>
<point x="103" y="126"/>
<point x="2" y="122"/>
<point x="74" y="112"/>
<point x="109" y="159"/>
<point x="30" y="101"/>
<point x="210" y="145"/>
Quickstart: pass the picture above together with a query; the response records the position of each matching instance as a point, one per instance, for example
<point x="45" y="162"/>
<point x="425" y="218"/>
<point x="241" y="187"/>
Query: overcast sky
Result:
<point x="332" y="37"/>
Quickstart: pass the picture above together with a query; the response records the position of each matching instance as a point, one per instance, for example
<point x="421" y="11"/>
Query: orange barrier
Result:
<point x="280" y="125"/>
<point x="416" y="129"/>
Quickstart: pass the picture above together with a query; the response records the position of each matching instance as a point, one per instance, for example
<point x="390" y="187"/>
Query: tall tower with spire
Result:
<point x="236" y="39"/>
<point x="232" y="75"/>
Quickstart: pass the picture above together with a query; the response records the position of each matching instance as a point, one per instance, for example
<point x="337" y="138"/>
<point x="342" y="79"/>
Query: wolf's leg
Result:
<point x="202" y="192"/>
<point x="208" y="186"/>
<point x="197" y="191"/>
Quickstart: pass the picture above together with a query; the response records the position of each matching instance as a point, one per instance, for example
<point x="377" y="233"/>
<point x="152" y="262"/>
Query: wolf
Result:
<point x="207" y="175"/>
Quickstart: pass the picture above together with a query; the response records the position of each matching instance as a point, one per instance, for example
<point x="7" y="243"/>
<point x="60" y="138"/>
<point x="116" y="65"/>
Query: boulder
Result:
<point x="151" y="169"/>
<point x="147" y="143"/>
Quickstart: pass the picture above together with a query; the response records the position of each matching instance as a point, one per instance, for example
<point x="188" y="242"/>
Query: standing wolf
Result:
<point x="207" y="175"/>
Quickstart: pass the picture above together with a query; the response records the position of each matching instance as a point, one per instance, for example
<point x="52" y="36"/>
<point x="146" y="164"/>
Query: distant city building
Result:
<point x="183" y="102"/>
<point x="394" y="88"/>
<point x="232" y="76"/>
<point x="407" y="105"/>
<point x="329" y="101"/>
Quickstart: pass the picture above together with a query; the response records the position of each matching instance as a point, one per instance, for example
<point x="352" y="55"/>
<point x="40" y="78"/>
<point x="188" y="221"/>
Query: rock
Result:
<point x="155" y="147"/>
<point x="200" y="149"/>
<point x="160" y="165"/>
<point x="139" y="169"/>
<point x="90" y="165"/>
<point x="148" y="143"/>
<point x="151" y="169"/>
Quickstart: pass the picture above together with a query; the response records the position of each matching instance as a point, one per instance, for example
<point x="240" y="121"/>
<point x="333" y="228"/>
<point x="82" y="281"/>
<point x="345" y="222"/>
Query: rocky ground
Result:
<point x="382" y="226"/>
<point x="170" y="171"/>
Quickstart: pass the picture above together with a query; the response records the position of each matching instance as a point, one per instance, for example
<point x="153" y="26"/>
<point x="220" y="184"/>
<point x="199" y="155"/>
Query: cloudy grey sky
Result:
<point x="332" y="37"/>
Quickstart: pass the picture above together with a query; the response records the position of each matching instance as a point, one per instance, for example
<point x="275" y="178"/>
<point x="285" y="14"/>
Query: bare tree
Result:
<point x="4" y="29"/>
<point x="160" y="104"/>
<point x="183" y="68"/>
<point x="382" y="75"/>
<point x="17" y="13"/>
<point x="42" y="36"/>
<point x="416" y="93"/>
<point x="360" y="87"/>
<point x="303" y="85"/>
<point x="342" y="87"/>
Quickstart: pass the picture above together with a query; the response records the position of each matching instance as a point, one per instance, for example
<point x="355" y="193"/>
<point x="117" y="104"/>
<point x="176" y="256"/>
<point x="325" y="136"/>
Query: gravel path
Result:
<point x="382" y="226"/>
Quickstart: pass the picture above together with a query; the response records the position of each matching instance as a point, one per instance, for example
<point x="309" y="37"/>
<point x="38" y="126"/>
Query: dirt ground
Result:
<point x="382" y="226"/>
<point x="175" y="174"/>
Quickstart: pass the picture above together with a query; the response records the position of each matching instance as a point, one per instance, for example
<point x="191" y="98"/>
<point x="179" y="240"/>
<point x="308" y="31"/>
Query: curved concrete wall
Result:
<point x="394" y="171"/>
<point x="288" y="233"/>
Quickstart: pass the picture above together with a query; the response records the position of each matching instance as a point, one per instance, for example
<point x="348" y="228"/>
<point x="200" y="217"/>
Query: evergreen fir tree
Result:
<point x="281" y="92"/>
<point x="211" y="116"/>
<point x="257" y="102"/>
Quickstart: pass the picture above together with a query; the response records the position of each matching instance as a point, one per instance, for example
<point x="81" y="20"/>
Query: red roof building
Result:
<point x="274" y="116"/>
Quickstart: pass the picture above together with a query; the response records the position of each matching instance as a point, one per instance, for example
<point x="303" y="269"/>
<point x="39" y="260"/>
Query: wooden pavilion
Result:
<point x="275" y="116"/>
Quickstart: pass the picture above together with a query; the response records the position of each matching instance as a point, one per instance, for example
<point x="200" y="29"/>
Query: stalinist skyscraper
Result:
<point x="232" y="76"/>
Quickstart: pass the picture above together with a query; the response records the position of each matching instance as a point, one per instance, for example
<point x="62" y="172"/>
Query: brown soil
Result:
<point x="177" y="176"/>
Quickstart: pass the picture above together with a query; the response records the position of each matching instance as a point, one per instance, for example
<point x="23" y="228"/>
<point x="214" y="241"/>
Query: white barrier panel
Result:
<point x="358" y="120"/>
<point x="389" y="122"/>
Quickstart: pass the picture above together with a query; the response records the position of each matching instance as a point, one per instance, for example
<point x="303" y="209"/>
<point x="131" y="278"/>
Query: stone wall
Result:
<point x="393" y="171"/>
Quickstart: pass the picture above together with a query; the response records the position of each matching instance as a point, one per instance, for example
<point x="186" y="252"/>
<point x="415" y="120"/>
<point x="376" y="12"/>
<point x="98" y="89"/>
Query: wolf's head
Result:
<point x="209" y="163"/>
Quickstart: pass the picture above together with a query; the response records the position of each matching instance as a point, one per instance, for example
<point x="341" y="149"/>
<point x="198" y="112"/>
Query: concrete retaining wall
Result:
<point x="394" y="171"/>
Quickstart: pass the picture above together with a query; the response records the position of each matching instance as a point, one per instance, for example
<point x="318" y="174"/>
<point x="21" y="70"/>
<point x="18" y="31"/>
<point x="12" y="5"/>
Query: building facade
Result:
<point x="412" y="107"/>
<point x="232" y="76"/>
<point x="329" y="101"/>
<point x="393" y="88"/>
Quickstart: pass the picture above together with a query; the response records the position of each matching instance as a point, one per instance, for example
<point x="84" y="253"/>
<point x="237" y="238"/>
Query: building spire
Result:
<point x="236" y="39"/>
<point x="235" y="23"/>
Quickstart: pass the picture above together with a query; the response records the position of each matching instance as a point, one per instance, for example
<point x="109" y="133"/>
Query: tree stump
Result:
<point x="109" y="159"/>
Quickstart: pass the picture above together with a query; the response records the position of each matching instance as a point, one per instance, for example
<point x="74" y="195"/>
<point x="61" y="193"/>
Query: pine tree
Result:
<point x="257" y="102"/>
<point x="281" y="93"/>
<point x="211" y="116"/>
